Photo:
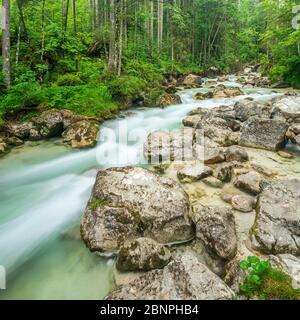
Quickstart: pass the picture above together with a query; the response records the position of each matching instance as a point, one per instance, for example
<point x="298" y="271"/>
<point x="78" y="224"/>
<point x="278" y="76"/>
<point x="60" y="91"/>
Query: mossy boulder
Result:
<point x="81" y="134"/>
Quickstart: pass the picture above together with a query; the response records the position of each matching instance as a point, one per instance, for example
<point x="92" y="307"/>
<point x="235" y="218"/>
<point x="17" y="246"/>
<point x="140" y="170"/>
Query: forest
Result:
<point x="93" y="56"/>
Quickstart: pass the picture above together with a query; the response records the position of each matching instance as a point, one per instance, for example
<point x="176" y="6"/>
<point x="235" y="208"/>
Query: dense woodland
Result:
<point x="93" y="56"/>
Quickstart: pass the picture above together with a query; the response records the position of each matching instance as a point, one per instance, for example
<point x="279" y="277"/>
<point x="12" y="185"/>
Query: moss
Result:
<point x="277" y="285"/>
<point x="98" y="203"/>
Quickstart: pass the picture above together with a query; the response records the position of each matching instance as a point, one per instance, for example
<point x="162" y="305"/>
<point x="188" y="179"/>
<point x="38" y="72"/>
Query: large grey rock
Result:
<point x="234" y="275"/>
<point x="213" y="155"/>
<point x="168" y="99"/>
<point x="223" y="171"/>
<point x="216" y="128"/>
<point x="162" y="146"/>
<point x="191" y="121"/>
<point x="142" y="203"/>
<point x="277" y="225"/>
<point x="81" y="134"/>
<point x="249" y="182"/>
<point x="246" y="109"/>
<point x="243" y="203"/>
<point x="215" y="226"/>
<point x="263" y="133"/>
<point x="236" y="153"/>
<point x="192" y="80"/>
<point x="223" y="92"/>
<point x="288" y="106"/>
<point x="194" y="172"/>
<point x="182" y="279"/>
<point x="142" y="254"/>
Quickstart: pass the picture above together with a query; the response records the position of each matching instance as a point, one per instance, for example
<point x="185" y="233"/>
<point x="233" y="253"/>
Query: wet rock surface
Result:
<point x="182" y="279"/>
<point x="277" y="225"/>
<point x="142" y="254"/>
<point x="145" y="204"/>
<point x="215" y="226"/>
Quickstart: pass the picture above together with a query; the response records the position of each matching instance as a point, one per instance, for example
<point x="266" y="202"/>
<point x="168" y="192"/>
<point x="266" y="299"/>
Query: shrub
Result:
<point x="265" y="282"/>
<point x="126" y="88"/>
<point x="22" y="95"/>
<point x="85" y="100"/>
<point x="68" y="79"/>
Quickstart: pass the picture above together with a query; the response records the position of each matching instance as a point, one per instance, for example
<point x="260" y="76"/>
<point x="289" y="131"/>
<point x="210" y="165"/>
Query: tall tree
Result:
<point x="112" y="37"/>
<point x="6" y="42"/>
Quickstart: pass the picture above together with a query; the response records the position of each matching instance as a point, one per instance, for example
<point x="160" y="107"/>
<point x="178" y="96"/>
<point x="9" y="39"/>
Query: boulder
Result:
<point x="223" y="92"/>
<point x="234" y="275"/>
<point x="223" y="172"/>
<point x="162" y="146"/>
<point x="277" y="225"/>
<point x="20" y="130"/>
<point x="132" y="202"/>
<point x="212" y="71"/>
<point x="235" y="153"/>
<point x="263" y="133"/>
<point x="182" y="279"/>
<point x="215" y="226"/>
<point x="216" y="128"/>
<point x="243" y="203"/>
<point x="48" y="125"/>
<point x="204" y="95"/>
<point x="193" y="172"/>
<point x="192" y="80"/>
<point x="249" y="182"/>
<point x="191" y="121"/>
<point x="213" y="182"/>
<point x="168" y="99"/>
<point x="81" y="134"/>
<point x="4" y="148"/>
<point x="289" y="107"/>
<point x="142" y="254"/>
<point x="223" y="78"/>
<point x="245" y="109"/>
<point x="213" y="155"/>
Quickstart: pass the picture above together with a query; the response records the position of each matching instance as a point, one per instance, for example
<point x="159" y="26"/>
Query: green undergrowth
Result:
<point x="265" y="282"/>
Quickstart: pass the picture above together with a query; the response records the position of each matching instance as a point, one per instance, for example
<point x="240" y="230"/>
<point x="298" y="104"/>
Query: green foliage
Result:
<point x="126" y="88"/>
<point x="68" y="79"/>
<point x="22" y="95"/>
<point x="265" y="282"/>
<point x="86" y="100"/>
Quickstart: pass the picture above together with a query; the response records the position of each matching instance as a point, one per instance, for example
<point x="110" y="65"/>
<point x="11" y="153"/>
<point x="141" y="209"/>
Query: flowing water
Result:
<point x="44" y="188"/>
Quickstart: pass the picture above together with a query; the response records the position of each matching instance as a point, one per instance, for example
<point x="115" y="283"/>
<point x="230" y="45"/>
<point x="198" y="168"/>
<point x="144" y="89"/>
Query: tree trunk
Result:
<point x="112" y="37"/>
<point x="120" y="38"/>
<point x="20" y="7"/>
<point x="43" y="31"/>
<point x="6" y="42"/>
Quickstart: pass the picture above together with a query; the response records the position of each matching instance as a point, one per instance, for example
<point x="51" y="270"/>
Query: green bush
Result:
<point x="85" y="100"/>
<point x="22" y="95"/>
<point x="126" y="88"/>
<point x="265" y="282"/>
<point x="68" y="79"/>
